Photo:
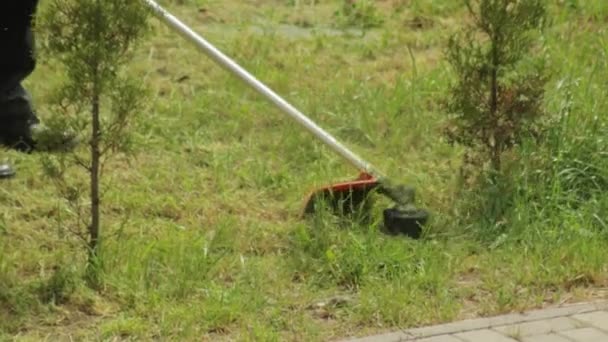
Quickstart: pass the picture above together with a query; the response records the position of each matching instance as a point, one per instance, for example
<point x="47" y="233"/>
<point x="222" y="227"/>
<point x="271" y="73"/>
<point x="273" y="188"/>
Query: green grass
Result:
<point x="203" y="234"/>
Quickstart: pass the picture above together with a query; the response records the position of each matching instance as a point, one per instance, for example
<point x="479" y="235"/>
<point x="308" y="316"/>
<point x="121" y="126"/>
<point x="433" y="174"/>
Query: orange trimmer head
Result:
<point x="344" y="197"/>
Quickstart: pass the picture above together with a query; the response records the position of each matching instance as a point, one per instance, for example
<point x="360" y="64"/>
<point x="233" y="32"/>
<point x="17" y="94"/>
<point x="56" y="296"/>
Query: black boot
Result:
<point x="16" y="120"/>
<point x="20" y="128"/>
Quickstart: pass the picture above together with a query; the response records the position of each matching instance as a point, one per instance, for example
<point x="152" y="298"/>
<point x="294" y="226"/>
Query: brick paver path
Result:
<point x="572" y="323"/>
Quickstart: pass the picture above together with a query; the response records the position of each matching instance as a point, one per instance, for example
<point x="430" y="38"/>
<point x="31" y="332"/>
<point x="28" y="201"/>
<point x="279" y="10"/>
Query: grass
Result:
<point x="203" y="234"/>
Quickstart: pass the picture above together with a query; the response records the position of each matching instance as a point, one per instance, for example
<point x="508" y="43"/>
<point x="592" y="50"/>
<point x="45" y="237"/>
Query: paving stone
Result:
<point x="440" y="338"/>
<point x="566" y="310"/>
<point x="484" y="335"/>
<point x="466" y="325"/>
<point x="598" y="319"/>
<point x="545" y="338"/>
<point x="585" y="335"/>
<point x="539" y="327"/>
<point x="588" y="321"/>
<point x="390" y="337"/>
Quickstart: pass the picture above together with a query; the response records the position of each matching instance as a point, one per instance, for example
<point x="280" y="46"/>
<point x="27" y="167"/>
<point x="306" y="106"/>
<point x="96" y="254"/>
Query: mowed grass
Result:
<point x="202" y="226"/>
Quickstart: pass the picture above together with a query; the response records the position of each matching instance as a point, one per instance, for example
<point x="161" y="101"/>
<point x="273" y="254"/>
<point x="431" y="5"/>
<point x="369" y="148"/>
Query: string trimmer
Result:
<point x="404" y="217"/>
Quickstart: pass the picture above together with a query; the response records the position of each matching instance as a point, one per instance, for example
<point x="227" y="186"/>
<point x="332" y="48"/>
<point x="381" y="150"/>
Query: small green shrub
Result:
<point x="92" y="42"/>
<point x="498" y="92"/>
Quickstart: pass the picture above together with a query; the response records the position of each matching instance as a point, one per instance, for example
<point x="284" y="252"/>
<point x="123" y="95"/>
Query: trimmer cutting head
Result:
<point x="345" y="197"/>
<point x="351" y="197"/>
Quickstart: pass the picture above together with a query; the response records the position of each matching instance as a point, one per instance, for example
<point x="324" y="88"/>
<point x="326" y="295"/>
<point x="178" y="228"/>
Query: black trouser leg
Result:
<point x="16" y="118"/>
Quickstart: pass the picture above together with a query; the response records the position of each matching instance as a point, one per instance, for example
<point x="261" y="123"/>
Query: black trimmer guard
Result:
<point x="407" y="222"/>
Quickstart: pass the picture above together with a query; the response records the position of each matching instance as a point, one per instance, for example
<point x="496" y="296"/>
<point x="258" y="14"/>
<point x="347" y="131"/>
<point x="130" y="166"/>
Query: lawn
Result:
<point x="203" y="237"/>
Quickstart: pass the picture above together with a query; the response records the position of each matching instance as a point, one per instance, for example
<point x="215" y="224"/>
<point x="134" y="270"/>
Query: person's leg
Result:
<point x="17" y="62"/>
<point x="17" y="118"/>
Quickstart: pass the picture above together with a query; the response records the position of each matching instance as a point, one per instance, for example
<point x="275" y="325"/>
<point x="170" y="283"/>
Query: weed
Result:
<point x="58" y="288"/>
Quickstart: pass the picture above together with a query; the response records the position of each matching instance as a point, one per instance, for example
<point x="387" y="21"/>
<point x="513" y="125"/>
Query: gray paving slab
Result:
<point x="545" y="338"/>
<point x="585" y="335"/>
<point x="440" y="338"/>
<point x="587" y="322"/>
<point x="564" y="310"/>
<point x="597" y="319"/>
<point x="390" y="337"/>
<point x="544" y="326"/>
<point x="466" y="325"/>
<point x="484" y="335"/>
